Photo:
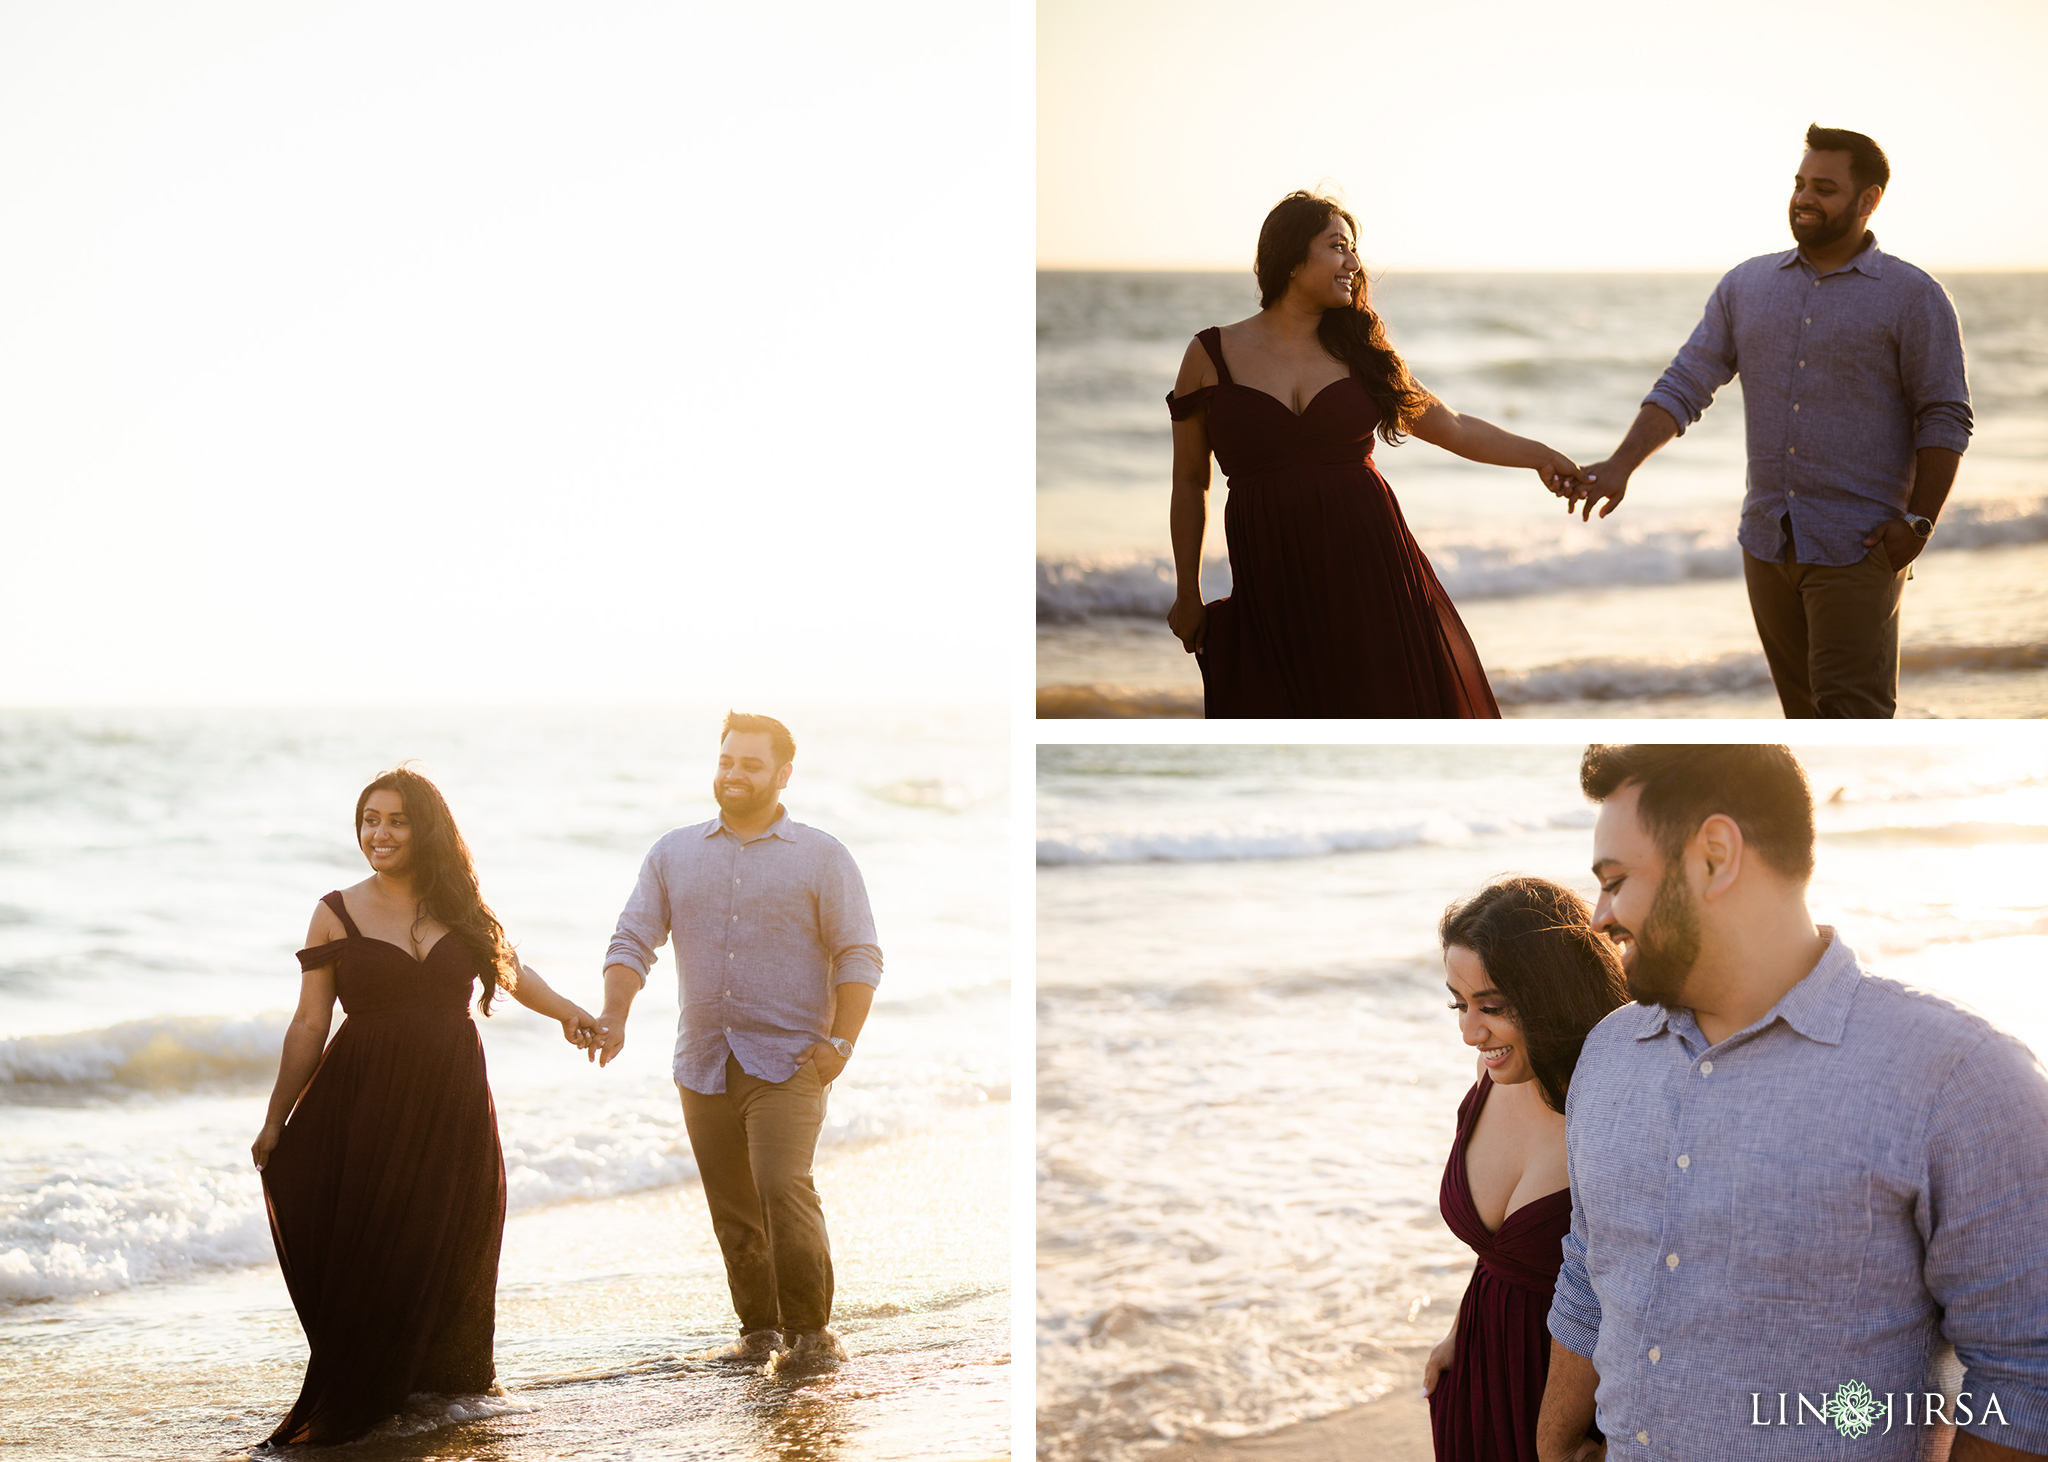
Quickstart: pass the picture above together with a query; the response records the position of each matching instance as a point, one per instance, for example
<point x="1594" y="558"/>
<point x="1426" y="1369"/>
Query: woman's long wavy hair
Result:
<point x="1559" y="976"/>
<point x="1354" y="336"/>
<point x="444" y="878"/>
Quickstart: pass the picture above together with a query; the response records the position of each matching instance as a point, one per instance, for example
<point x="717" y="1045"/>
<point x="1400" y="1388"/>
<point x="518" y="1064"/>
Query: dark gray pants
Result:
<point x="1831" y="635"/>
<point x="754" y="1143"/>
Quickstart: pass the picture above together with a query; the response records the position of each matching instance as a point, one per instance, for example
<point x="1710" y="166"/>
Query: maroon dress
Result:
<point x="386" y="1191"/>
<point x="1333" y="609"/>
<point x="1484" y="1408"/>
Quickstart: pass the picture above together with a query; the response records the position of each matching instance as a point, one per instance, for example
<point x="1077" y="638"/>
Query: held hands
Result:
<point x="1557" y="472"/>
<point x="1189" y="621"/>
<point x="580" y="1028"/>
<point x="827" y="1062"/>
<point x="1901" y="544"/>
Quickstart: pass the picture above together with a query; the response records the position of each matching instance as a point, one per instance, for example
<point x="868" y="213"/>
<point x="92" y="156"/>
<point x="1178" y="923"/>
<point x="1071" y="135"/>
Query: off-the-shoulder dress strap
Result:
<point x="1212" y="341"/>
<point x="334" y="901"/>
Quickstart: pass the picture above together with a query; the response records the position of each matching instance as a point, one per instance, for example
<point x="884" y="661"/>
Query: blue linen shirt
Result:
<point x="1803" y="1205"/>
<point x="1845" y="376"/>
<point x="765" y="928"/>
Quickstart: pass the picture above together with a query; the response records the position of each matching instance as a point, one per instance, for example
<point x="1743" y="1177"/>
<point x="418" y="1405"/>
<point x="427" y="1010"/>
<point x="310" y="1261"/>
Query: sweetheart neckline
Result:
<point x="1297" y="415"/>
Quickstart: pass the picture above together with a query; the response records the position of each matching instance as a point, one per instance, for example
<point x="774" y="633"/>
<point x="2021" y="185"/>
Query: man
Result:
<point x="777" y="962"/>
<point x="1790" y="1180"/>
<point x="1858" y="413"/>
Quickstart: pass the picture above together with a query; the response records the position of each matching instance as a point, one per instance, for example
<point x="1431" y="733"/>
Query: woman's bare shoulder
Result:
<point x="325" y="928"/>
<point x="1196" y="370"/>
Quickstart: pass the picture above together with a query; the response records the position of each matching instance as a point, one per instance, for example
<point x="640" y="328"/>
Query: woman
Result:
<point x="1529" y="978"/>
<point x="1333" y="610"/>
<point x="386" y="1189"/>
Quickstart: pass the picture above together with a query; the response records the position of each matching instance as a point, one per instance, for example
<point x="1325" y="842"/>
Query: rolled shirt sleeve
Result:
<point x="643" y="925"/>
<point x="1703" y="365"/>
<point x="1933" y="372"/>
<point x="1984" y="1216"/>
<point x="846" y="925"/>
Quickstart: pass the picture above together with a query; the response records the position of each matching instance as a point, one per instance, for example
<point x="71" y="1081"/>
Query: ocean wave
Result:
<point x="1294" y="839"/>
<point x="167" y="1052"/>
<point x="1072" y="590"/>
<point x="86" y="1222"/>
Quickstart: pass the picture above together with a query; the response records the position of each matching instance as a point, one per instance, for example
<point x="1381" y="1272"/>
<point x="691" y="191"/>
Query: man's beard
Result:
<point x="1827" y="231"/>
<point x="748" y="805"/>
<point x="1667" y="944"/>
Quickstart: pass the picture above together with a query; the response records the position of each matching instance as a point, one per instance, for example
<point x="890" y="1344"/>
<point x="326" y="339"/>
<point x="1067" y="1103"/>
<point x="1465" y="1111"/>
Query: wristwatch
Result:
<point x="1922" y="527"/>
<point x="842" y="1045"/>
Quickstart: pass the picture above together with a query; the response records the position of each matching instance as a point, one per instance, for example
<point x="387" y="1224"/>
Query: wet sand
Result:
<point x="608" y="1313"/>
<point x="1394" y="1428"/>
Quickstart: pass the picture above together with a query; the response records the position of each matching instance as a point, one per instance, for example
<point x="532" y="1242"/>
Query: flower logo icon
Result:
<point x="1853" y="1409"/>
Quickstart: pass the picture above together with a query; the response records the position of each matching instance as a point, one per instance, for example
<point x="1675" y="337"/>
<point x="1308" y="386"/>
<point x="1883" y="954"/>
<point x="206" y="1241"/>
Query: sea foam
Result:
<point x="1078" y="589"/>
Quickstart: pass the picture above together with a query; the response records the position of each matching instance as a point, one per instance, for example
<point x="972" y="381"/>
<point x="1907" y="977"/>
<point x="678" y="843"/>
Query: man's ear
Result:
<point x="782" y="774"/>
<point x="1868" y="199"/>
<point x="1720" y="848"/>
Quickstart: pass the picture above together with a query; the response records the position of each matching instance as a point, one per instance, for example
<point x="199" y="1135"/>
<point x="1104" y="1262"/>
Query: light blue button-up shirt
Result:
<point x="765" y="928"/>
<point x="1845" y="376"/>
<point x="1812" y="1203"/>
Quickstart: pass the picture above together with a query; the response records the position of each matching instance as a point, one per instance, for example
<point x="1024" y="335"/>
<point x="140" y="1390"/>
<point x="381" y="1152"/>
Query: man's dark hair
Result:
<point x="1762" y="788"/>
<point x="1867" y="162"/>
<point x="780" y="742"/>
<point x="1558" y="977"/>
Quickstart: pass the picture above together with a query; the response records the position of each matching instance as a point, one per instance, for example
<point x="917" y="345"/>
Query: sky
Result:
<point x="511" y="352"/>
<point x="1496" y="134"/>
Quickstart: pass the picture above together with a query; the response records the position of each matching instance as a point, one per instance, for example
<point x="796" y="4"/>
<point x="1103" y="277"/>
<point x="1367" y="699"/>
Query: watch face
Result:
<point x="1919" y="524"/>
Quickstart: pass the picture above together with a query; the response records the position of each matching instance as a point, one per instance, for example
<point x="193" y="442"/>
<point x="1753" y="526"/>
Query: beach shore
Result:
<point x="1394" y="1428"/>
<point x="608" y="1314"/>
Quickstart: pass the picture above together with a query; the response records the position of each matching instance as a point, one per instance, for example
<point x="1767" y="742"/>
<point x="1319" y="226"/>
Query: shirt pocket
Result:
<point x="1798" y="1229"/>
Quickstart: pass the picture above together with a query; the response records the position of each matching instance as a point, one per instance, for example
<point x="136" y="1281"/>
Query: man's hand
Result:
<point x="1901" y="544"/>
<point x="609" y="1038"/>
<point x="827" y="1062"/>
<point x="579" y="1028"/>
<point x="1603" y="480"/>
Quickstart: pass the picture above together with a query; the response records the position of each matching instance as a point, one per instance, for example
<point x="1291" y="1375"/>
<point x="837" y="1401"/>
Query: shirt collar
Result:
<point x="1817" y="1007"/>
<point x="1869" y="262"/>
<point x="776" y="829"/>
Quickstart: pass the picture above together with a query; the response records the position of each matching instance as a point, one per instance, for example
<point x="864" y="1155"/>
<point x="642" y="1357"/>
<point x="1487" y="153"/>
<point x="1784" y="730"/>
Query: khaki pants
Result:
<point x="753" y="1145"/>
<point x="1831" y="635"/>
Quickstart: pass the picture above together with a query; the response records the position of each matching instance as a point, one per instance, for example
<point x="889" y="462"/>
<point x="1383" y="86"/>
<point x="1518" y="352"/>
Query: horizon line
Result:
<point x="1415" y="268"/>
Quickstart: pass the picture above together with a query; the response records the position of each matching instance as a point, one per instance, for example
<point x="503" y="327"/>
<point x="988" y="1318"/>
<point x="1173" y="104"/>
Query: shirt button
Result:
<point x="1791" y="451"/>
<point x="1807" y="321"/>
<point x="1655" y="1356"/>
<point x="728" y="954"/>
<point x="1706" y="1068"/>
<point x="1795" y="405"/>
<point x="1643" y="1437"/>
<point x="1791" y="492"/>
<point x="1683" y="1160"/>
<point x="1802" y="366"/>
<point x="1670" y="1261"/>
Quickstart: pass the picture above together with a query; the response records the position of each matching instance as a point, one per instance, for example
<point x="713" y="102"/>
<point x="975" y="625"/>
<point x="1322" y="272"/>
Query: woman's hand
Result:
<point x="260" y="1149"/>
<point x="579" y="1028"/>
<point x="1439" y="1361"/>
<point x="1559" y="473"/>
<point x="1189" y="621"/>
